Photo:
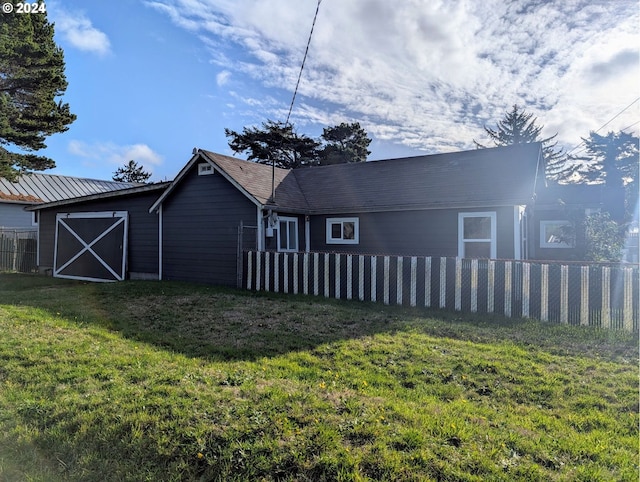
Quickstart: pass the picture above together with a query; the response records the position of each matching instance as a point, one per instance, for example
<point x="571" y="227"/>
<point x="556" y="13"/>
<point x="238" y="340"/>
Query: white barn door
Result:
<point x="91" y="246"/>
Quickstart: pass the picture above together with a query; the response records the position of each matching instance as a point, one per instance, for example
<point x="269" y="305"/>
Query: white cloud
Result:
<point x="223" y="77"/>
<point x="79" y="31"/>
<point x="116" y="155"/>
<point x="428" y="74"/>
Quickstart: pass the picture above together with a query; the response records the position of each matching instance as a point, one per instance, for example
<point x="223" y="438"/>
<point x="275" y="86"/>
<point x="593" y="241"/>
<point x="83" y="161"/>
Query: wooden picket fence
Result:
<point x="592" y="295"/>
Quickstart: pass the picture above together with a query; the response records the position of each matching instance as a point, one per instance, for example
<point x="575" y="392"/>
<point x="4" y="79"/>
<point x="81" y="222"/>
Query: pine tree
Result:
<point x="275" y="142"/>
<point x="31" y="79"/>
<point x="344" y="143"/>
<point x="131" y="172"/>
<point x="519" y="127"/>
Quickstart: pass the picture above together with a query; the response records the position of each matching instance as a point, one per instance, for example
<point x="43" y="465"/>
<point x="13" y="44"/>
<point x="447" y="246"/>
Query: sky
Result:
<point x="149" y="80"/>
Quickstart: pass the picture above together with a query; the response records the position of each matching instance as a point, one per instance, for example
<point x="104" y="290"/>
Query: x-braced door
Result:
<point x="91" y="246"/>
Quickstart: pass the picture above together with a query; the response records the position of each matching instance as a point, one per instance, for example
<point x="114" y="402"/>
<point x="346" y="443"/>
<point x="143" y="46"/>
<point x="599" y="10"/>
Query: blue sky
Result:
<point x="151" y="79"/>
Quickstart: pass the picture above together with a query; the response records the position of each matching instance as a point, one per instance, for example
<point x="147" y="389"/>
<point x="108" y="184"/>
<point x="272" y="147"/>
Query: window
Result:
<point x="34" y="218"/>
<point x="287" y="234"/>
<point x="477" y="235"/>
<point x="554" y="234"/>
<point x="343" y="231"/>
<point x="205" y="169"/>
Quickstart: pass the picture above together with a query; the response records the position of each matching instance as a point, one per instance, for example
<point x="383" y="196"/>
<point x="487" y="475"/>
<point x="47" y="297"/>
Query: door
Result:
<point x="91" y="246"/>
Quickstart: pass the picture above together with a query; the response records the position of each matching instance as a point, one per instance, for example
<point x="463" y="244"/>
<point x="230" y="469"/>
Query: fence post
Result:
<point x="508" y="265"/>
<point x="374" y="278"/>
<point x="443" y="282"/>
<point x="458" y="285"/>
<point x="606" y="297"/>
<point x="627" y="307"/>
<point x="544" y="292"/>
<point x="414" y="273"/>
<point x="15" y="250"/>
<point x="526" y="275"/>
<point x="399" y="279"/>
<point x="491" y="275"/>
<point x="474" y="285"/>
<point x="385" y="271"/>
<point x="361" y="277"/>
<point x="584" y="295"/>
<point x="349" y="276"/>
<point x="427" y="282"/>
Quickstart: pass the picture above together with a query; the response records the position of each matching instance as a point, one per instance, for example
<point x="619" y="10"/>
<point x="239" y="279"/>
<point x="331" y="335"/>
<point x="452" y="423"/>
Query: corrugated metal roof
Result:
<point x="37" y="187"/>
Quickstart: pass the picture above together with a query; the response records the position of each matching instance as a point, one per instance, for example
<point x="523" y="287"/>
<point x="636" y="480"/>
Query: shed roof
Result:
<point x="37" y="187"/>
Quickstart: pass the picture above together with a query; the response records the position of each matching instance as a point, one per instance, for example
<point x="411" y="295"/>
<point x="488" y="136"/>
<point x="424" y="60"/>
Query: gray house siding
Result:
<point x="13" y="215"/>
<point x="200" y="229"/>
<point x="142" y="260"/>
<point x="417" y="233"/>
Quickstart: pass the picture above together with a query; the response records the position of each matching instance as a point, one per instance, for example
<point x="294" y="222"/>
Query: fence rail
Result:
<point x="591" y="295"/>
<point x="18" y="250"/>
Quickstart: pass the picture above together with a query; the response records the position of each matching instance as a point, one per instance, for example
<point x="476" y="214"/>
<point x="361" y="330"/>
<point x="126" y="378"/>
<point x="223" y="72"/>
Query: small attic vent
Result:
<point x="205" y="169"/>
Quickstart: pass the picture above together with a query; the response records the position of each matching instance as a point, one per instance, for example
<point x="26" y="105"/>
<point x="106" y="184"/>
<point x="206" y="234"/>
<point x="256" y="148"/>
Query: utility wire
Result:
<point x="295" y="91"/>
<point x="607" y="123"/>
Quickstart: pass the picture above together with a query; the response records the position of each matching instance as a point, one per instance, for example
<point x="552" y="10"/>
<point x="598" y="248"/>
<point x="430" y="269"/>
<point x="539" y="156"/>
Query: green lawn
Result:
<point x="168" y="381"/>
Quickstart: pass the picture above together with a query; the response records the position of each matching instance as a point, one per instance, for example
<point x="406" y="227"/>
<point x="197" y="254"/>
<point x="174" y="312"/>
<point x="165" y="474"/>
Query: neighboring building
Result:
<point x="35" y="188"/>
<point x="484" y="203"/>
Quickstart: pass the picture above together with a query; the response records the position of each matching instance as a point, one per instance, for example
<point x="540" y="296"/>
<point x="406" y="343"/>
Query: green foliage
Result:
<point x="31" y="78"/>
<point x="175" y="381"/>
<point x="344" y="143"/>
<point x="280" y="144"/>
<point x="131" y="172"/>
<point x="604" y="238"/>
<point x="519" y="127"/>
<point x="612" y="160"/>
<point x="275" y="142"/>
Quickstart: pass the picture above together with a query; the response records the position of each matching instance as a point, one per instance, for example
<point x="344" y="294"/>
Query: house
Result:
<point x="483" y="203"/>
<point x="35" y="188"/>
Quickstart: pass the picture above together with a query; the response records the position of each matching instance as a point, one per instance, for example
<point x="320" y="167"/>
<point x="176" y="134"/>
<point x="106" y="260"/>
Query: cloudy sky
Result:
<point x="151" y="79"/>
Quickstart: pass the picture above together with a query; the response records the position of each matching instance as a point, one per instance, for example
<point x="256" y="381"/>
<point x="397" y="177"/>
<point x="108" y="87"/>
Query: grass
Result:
<point x="165" y="381"/>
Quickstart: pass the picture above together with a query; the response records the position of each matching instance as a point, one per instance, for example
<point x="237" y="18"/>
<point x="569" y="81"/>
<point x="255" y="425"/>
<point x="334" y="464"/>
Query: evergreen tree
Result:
<point x="131" y="172"/>
<point x="31" y="79"/>
<point x="519" y="127"/>
<point x="612" y="160"/>
<point x="344" y="143"/>
<point x="275" y="142"/>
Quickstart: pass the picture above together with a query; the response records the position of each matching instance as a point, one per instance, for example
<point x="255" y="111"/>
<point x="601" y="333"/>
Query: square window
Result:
<point x="555" y="234"/>
<point x="343" y="231"/>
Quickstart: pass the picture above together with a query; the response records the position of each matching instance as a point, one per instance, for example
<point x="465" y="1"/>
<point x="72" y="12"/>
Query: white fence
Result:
<point x="594" y="295"/>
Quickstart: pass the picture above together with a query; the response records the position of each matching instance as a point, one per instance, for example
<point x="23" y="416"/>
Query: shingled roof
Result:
<point x="501" y="176"/>
<point x="38" y="187"/>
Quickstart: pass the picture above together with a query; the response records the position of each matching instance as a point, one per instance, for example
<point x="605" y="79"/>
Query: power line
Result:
<point x="607" y="123"/>
<point x="295" y="91"/>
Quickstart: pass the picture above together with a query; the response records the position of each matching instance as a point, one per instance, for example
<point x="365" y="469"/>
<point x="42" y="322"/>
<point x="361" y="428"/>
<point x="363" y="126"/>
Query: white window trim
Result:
<point x="205" y="169"/>
<point x="492" y="240"/>
<point x="288" y="220"/>
<point x="341" y="221"/>
<point x="35" y="215"/>
<point x="543" y="233"/>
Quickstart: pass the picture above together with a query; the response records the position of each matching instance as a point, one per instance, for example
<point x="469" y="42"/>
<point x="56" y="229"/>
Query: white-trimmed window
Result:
<point x="343" y="231"/>
<point x="287" y="234"/>
<point x="477" y="235"/>
<point x="205" y="169"/>
<point x="34" y="218"/>
<point x="553" y="234"/>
